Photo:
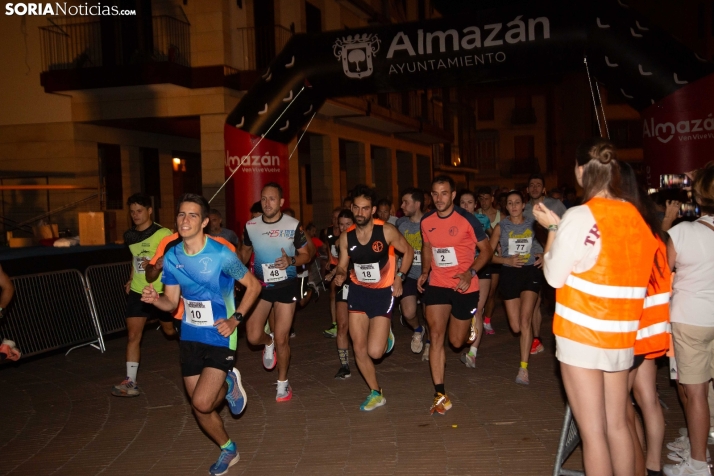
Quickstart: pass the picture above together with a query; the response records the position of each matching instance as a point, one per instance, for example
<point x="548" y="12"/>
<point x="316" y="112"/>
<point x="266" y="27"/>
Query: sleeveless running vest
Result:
<point x="519" y="239"/>
<point x="371" y="265"/>
<point x="602" y="306"/>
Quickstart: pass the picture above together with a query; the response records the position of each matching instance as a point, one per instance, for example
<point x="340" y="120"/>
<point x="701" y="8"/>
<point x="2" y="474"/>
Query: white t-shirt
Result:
<point x="693" y="287"/>
<point x="576" y="247"/>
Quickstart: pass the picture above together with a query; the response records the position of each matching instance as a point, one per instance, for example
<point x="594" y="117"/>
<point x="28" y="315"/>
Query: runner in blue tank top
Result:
<point x="280" y="245"/>
<point x="204" y="272"/>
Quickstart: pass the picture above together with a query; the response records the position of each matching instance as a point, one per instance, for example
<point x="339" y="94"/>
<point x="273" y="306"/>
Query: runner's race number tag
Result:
<point x="333" y="251"/>
<point x="345" y="290"/>
<point x="417" y="258"/>
<point x="445" y="257"/>
<point x="198" y="313"/>
<point x="520" y="246"/>
<point x="271" y="274"/>
<point x="139" y="263"/>
<point x="367" y="273"/>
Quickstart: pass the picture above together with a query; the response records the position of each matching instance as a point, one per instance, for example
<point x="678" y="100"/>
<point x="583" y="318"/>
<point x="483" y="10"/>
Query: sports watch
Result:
<point x="400" y="274"/>
<point x="293" y="260"/>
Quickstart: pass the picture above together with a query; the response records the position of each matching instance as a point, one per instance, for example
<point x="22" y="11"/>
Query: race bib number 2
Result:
<point x="367" y="273"/>
<point x="445" y="257"/>
<point x="198" y="313"/>
<point x="271" y="274"/>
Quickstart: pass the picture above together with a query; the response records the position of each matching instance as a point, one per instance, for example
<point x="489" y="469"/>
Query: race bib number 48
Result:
<point x="198" y="313"/>
<point x="271" y="274"/>
<point x="445" y="257"/>
<point x="367" y="273"/>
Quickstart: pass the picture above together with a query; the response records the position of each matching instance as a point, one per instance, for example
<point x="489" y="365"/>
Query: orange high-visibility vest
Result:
<point x="653" y="334"/>
<point x="602" y="306"/>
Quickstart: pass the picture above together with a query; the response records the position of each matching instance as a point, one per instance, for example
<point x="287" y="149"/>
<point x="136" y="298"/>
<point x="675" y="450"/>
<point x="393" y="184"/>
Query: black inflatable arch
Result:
<point x="624" y="52"/>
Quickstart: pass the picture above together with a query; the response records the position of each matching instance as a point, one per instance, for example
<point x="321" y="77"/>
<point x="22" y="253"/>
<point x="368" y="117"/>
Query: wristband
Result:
<point x="552" y="227"/>
<point x="238" y="317"/>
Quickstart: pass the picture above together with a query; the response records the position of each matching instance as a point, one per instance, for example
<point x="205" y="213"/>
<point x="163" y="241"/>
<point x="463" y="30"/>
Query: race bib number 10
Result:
<point x="198" y="313"/>
<point x="445" y="257"/>
<point x="367" y="273"/>
<point x="271" y="274"/>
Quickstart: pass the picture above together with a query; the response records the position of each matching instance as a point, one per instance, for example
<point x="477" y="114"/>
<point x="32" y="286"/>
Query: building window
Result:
<point x="151" y="178"/>
<point x="626" y="134"/>
<point x="186" y="173"/>
<point x="485" y="109"/>
<point x="486" y="146"/>
<point x="110" y="178"/>
<point x="313" y="18"/>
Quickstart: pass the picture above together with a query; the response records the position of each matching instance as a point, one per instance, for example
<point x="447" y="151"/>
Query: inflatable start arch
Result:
<point x="658" y="76"/>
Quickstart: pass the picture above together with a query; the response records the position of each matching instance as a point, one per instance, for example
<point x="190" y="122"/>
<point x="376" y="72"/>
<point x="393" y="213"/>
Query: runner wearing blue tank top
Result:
<point x="203" y="273"/>
<point x="279" y="244"/>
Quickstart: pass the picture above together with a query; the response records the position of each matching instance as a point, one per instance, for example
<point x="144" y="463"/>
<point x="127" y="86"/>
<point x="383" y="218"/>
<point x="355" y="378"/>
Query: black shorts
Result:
<point x="342" y="292"/>
<point x="495" y="268"/>
<point x="637" y="361"/>
<point x="373" y="302"/>
<point x="409" y="288"/>
<point x="484" y="273"/>
<point x="196" y="356"/>
<point x="285" y="293"/>
<point x="135" y="307"/>
<point x="463" y="306"/>
<point x="516" y="280"/>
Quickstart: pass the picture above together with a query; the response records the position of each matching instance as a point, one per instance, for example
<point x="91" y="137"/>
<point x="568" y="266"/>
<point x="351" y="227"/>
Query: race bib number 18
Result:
<point x="271" y="274"/>
<point x="445" y="257"/>
<point x="367" y="273"/>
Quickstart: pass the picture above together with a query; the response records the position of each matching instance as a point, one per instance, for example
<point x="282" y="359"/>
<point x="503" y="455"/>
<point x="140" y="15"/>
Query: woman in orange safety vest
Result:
<point x="599" y="259"/>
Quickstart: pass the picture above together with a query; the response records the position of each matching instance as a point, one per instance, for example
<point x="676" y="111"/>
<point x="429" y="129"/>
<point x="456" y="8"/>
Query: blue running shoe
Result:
<point x="235" y="396"/>
<point x="390" y="342"/>
<point x="228" y="458"/>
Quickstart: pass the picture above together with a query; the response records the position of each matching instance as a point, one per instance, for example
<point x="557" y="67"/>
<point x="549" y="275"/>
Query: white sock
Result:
<point x="282" y="384"/>
<point x="131" y="369"/>
<point x="473" y="350"/>
<point x="698" y="465"/>
<point x="272" y="343"/>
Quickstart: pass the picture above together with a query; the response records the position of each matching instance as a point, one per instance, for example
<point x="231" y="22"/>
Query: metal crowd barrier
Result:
<point x="51" y="311"/>
<point x="569" y="440"/>
<point x="105" y="283"/>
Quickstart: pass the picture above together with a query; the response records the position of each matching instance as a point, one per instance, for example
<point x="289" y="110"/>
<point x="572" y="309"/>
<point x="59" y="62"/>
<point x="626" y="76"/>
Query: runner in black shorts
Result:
<point x="345" y="220"/>
<point x="521" y="276"/>
<point x="367" y="248"/>
<point x="486" y="202"/>
<point x="409" y="227"/>
<point x="451" y="236"/>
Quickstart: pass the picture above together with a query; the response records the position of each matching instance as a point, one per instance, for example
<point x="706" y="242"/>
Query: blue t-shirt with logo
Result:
<point x="207" y="280"/>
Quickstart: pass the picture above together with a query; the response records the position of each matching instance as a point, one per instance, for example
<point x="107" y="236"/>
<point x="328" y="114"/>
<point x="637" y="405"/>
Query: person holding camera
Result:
<point x="691" y="253"/>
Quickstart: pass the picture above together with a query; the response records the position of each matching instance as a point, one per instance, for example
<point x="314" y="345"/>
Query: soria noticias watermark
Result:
<point x="65" y="9"/>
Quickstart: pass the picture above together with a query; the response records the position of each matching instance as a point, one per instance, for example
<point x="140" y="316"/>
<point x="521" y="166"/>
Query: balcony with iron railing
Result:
<point x="258" y="46"/>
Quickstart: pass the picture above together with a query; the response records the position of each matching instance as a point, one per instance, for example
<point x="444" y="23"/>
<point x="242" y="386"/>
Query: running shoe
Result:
<point x="343" y="373"/>
<point x="488" y="328"/>
<point x="9" y="348"/>
<point x="128" y="388"/>
<point x="390" y="342"/>
<point x="473" y="333"/>
<point x="425" y="355"/>
<point x="269" y="360"/>
<point x="685" y="468"/>
<point x="331" y="332"/>
<point x="285" y="392"/>
<point x="374" y="399"/>
<point x="441" y="404"/>
<point x="683" y="455"/>
<point x="680" y="444"/>
<point x="537" y="347"/>
<point x="468" y="360"/>
<point x="522" y="377"/>
<point x="292" y="333"/>
<point x="227" y="458"/>
<point x="418" y="340"/>
<point x="235" y="396"/>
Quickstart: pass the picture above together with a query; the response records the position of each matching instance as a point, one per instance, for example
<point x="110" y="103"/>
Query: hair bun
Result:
<point x="605" y="154"/>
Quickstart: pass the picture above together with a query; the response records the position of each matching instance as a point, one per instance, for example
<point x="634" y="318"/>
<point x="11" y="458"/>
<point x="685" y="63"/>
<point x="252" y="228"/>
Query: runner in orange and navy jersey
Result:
<point x="154" y="267"/>
<point x="450" y="238"/>
<point x="367" y="248"/>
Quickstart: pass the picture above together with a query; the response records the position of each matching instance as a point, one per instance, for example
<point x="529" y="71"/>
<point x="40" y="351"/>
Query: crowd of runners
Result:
<point x="441" y="260"/>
